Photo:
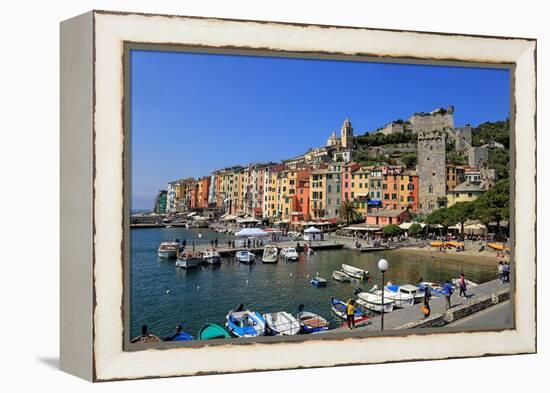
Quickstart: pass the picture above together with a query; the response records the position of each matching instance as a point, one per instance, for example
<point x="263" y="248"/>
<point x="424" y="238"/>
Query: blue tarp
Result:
<point x="374" y="202"/>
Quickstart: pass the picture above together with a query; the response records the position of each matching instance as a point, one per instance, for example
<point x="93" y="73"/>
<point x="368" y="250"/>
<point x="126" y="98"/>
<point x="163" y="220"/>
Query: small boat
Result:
<point x="245" y="257"/>
<point x="406" y="290"/>
<point x="436" y="290"/>
<point x="340" y="276"/>
<point x="373" y="302"/>
<point x="282" y="324"/>
<point x="211" y="257"/>
<point x="168" y="250"/>
<point x="354" y="272"/>
<point x="189" y="260"/>
<point x="400" y="299"/>
<point x="289" y="253"/>
<point x="311" y="323"/>
<point x="498" y="246"/>
<point x="454" y="244"/>
<point x="270" y="254"/>
<point x="339" y="308"/>
<point x="245" y="323"/>
<point x="179" y="335"/>
<point x="211" y="331"/>
<point x="319" y="281"/>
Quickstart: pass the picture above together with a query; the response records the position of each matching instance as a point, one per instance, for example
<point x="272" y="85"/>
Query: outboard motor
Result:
<point x="240" y="307"/>
<point x="357" y="290"/>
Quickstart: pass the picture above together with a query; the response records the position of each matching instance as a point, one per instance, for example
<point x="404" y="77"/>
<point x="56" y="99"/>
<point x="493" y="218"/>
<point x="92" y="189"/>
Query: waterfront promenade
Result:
<point x="412" y="316"/>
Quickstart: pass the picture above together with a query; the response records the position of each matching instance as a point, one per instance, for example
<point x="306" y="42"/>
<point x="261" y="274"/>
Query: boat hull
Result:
<point x="188" y="263"/>
<point x="167" y="254"/>
<point x="282" y="324"/>
<point x="311" y="323"/>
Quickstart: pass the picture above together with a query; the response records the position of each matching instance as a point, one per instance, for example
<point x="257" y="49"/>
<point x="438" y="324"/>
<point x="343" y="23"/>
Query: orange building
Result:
<point x="400" y="189"/>
<point x="301" y="198"/>
<point x="203" y="186"/>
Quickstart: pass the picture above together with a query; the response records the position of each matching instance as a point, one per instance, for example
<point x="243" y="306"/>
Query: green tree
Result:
<point x="461" y="212"/>
<point x="441" y="217"/>
<point x="494" y="205"/>
<point x="348" y="211"/>
<point x="415" y="229"/>
<point x="391" y="230"/>
<point x="409" y="160"/>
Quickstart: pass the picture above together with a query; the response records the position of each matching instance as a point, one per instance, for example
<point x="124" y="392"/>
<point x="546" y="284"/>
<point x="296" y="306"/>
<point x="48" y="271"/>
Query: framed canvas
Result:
<point x="213" y="222"/>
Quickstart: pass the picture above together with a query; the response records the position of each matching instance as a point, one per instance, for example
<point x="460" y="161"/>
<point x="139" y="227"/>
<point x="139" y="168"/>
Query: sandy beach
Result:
<point x="486" y="258"/>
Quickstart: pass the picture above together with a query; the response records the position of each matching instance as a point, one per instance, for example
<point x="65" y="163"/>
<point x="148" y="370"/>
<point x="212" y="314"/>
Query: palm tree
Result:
<point x="348" y="211"/>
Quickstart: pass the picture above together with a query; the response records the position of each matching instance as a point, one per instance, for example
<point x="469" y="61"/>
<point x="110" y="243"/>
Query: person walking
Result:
<point x="501" y="272"/>
<point x="448" y="291"/>
<point x="462" y="285"/>
<point x="427" y="296"/>
<point x="350" y="313"/>
<point x="216" y="242"/>
<point x="506" y="271"/>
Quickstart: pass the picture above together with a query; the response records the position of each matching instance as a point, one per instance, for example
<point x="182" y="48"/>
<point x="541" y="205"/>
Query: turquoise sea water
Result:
<point x="161" y="295"/>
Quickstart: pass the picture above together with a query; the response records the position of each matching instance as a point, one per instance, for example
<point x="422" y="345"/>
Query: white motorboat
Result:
<point x="282" y="323"/>
<point x="400" y="299"/>
<point x="245" y="257"/>
<point x="373" y="302"/>
<point x="270" y="254"/>
<point x="407" y="291"/>
<point x="340" y="276"/>
<point x="289" y="253"/>
<point x="168" y="250"/>
<point x="189" y="260"/>
<point x="355" y="272"/>
<point x="211" y="257"/>
<point x="245" y="323"/>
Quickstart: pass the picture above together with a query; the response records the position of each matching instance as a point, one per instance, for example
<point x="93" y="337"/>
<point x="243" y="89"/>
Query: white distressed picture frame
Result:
<point x="92" y="193"/>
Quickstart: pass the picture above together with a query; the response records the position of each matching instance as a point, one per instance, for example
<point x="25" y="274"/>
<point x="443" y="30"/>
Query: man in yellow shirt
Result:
<point x="350" y="311"/>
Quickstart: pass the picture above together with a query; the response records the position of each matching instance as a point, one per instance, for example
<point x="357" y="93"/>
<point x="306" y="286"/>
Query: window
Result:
<point x="346" y="195"/>
<point x="352" y="194"/>
<point x="346" y="184"/>
<point x="301" y="200"/>
<point x="394" y="197"/>
<point x="329" y="188"/>
<point x="384" y="186"/>
<point x="410" y="186"/>
<point x="400" y="198"/>
<point x="360" y="185"/>
<point x="386" y="196"/>
<point x="394" y="186"/>
<point x="470" y="195"/>
<point x="338" y="188"/>
<point x="431" y="147"/>
<point x="430" y="189"/>
<point x="329" y="201"/>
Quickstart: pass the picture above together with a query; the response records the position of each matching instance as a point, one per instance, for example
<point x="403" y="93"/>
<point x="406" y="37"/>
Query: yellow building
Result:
<point x="317" y="185"/>
<point x="359" y="189"/>
<point x="465" y="192"/>
<point x="455" y="176"/>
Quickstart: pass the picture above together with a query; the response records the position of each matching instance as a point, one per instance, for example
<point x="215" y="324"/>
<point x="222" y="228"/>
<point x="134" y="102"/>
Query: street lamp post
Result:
<point x="382" y="266"/>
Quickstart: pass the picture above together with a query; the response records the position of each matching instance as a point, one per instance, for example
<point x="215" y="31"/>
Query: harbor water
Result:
<point x="162" y="295"/>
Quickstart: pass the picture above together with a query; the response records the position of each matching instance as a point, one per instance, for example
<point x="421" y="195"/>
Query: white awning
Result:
<point x="251" y="232"/>
<point x="312" y="230"/>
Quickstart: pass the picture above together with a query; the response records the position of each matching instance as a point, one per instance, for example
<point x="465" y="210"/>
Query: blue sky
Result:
<point x="193" y="113"/>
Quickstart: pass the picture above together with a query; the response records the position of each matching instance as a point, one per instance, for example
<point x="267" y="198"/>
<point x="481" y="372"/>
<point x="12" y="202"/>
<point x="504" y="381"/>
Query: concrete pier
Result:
<point x="479" y="298"/>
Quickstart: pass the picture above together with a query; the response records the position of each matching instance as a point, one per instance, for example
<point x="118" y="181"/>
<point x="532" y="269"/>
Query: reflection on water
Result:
<point x="163" y="296"/>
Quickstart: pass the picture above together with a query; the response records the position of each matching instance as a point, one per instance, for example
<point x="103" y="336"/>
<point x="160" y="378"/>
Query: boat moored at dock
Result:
<point x="282" y="324"/>
<point x="189" y="260"/>
<point x="373" y="302"/>
<point x="168" y="250"/>
<point x="406" y="290"/>
<point x="245" y="257"/>
<point x="211" y="331"/>
<point x="270" y="254"/>
<point x="211" y="257"/>
<point x="289" y="254"/>
<point x="340" y="309"/>
<point x="312" y="323"/>
<point x="245" y="323"/>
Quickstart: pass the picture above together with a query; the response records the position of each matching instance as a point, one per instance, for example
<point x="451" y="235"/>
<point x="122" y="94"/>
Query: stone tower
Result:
<point x="431" y="171"/>
<point x="347" y="134"/>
